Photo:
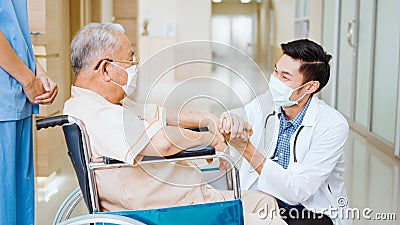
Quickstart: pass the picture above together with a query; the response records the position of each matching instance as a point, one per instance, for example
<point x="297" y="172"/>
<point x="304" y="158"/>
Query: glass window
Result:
<point x="302" y="19"/>
<point x="384" y="91"/>
<point x="301" y="29"/>
<point x="302" y="8"/>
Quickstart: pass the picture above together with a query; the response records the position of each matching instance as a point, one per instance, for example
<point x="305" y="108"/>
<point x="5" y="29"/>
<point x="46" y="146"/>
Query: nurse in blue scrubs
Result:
<point x="23" y="85"/>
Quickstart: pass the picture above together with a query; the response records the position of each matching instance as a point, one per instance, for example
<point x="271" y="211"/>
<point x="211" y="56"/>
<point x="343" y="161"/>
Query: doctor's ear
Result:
<point x="313" y="87"/>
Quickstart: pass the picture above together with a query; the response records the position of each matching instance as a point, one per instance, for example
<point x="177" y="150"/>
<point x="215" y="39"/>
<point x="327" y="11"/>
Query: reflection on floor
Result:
<point x="51" y="194"/>
<point x="372" y="182"/>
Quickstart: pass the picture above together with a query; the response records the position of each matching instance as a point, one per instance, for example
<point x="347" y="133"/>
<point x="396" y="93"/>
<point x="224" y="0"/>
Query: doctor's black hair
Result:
<point x="314" y="60"/>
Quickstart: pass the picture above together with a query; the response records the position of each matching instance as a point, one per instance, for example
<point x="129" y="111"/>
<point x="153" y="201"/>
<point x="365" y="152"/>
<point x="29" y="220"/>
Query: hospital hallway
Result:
<point x="215" y="55"/>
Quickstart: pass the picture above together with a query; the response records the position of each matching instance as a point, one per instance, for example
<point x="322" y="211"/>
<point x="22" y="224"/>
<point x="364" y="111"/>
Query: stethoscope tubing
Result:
<point x="295" y="139"/>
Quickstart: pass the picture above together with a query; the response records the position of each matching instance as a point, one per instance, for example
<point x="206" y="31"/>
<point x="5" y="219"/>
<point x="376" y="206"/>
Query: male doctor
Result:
<point x="297" y="150"/>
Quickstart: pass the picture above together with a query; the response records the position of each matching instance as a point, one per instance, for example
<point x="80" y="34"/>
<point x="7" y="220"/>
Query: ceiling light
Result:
<point x="216" y="1"/>
<point x="245" y="1"/>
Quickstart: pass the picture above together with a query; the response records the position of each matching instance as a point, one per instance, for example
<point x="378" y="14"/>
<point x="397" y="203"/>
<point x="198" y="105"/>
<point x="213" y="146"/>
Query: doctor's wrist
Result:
<point x="239" y="144"/>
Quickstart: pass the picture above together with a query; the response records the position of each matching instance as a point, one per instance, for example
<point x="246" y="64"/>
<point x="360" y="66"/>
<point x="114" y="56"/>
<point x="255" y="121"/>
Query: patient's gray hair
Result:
<point x="92" y="41"/>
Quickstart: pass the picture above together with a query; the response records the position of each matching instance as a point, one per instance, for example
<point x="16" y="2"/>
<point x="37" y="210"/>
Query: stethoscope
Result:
<point x="251" y="169"/>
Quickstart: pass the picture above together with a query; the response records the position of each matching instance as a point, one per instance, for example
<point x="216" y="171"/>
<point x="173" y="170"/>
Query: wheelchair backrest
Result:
<point x="73" y="138"/>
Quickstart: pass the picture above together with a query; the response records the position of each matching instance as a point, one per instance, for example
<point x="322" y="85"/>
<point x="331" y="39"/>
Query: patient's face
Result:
<point x="117" y="74"/>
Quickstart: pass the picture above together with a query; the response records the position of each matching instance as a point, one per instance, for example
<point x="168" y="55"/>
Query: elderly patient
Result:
<point x="104" y="66"/>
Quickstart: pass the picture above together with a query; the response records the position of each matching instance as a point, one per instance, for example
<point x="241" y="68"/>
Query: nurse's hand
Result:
<point x="51" y="90"/>
<point x="32" y="88"/>
<point x="234" y="126"/>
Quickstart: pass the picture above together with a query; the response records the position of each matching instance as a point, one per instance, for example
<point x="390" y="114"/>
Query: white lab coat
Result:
<point x="316" y="179"/>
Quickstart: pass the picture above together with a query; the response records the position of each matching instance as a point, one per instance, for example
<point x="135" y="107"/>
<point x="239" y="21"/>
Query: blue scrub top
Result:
<point x="14" y="25"/>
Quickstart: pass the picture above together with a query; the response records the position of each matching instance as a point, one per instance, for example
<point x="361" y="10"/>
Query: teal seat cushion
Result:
<point x="224" y="213"/>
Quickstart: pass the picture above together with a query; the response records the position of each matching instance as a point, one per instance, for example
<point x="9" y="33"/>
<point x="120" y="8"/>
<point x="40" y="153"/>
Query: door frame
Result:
<point x="355" y="34"/>
<point x="335" y="54"/>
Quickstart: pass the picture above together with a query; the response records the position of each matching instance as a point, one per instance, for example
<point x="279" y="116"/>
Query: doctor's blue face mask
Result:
<point x="281" y="92"/>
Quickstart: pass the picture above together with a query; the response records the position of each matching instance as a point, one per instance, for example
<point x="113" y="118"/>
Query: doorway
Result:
<point x="233" y="30"/>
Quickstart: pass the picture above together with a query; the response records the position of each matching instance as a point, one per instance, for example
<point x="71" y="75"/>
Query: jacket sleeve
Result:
<point x="302" y="180"/>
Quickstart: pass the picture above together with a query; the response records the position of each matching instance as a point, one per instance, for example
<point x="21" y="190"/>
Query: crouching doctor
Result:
<point x="296" y="152"/>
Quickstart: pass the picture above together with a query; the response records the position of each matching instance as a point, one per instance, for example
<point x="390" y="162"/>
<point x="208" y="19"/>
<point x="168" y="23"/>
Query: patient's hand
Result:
<point x="211" y="122"/>
<point x="220" y="146"/>
<point x="234" y="126"/>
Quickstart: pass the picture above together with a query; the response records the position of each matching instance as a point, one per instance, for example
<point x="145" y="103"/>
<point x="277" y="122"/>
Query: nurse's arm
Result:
<point x="11" y="63"/>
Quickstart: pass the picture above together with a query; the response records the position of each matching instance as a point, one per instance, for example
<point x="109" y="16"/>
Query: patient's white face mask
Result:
<point x="130" y="85"/>
<point x="281" y="92"/>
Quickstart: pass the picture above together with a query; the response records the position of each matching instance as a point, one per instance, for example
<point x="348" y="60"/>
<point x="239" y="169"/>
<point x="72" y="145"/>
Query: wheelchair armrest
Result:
<point x="195" y="151"/>
<point x="190" y="152"/>
<point x="199" y="129"/>
<point x="108" y="161"/>
<point x="51" y="122"/>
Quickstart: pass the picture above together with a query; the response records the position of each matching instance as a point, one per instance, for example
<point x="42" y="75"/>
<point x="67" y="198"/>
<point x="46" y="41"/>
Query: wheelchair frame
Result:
<point x="92" y="166"/>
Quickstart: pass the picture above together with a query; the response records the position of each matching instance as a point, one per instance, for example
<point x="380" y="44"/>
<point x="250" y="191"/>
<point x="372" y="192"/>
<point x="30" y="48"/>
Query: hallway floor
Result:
<point x="372" y="182"/>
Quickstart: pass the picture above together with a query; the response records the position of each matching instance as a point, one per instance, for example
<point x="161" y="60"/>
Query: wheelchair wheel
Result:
<point x="73" y="206"/>
<point x="101" y="219"/>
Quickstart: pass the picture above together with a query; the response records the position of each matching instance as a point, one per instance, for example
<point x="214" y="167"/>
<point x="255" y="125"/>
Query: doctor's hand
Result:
<point x="239" y="143"/>
<point x="234" y="126"/>
<point x="51" y="90"/>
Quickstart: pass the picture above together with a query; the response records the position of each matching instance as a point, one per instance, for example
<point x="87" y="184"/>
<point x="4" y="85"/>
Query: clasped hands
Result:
<point x="40" y="89"/>
<point x="232" y="129"/>
<point x="235" y="130"/>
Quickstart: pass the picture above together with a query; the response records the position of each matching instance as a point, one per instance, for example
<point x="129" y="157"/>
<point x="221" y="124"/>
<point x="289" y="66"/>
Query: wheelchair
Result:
<point x="78" y="144"/>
